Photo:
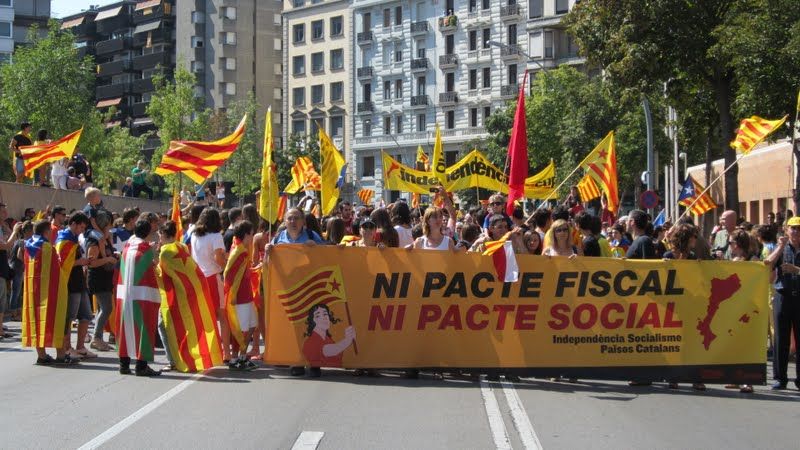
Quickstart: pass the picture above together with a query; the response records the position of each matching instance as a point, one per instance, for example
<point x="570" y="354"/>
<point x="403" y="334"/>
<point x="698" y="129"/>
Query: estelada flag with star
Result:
<point x="690" y="197"/>
<point x="189" y="317"/>
<point x="44" y="310"/>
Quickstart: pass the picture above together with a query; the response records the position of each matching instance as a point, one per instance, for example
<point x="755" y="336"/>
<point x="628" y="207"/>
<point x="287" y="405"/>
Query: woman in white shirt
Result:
<point x="208" y="251"/>
<point x="401" y="217"/>
<point x="58" y="173"/>
<point x="432" y="236"/>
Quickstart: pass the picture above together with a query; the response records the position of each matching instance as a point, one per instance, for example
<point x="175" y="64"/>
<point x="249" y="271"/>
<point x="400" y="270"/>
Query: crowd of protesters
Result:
<point x="569" y="229"/>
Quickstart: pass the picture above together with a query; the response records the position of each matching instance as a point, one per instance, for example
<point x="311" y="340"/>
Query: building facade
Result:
<point x="317" y="61"/>
<point x="131" y="42"/>
<point x="549" y="44"/>
<point x="233" y="47"/>
<point x="16" y="18"/>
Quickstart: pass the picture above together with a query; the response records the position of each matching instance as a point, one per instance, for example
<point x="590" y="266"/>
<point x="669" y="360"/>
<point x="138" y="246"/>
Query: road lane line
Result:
<point x="308" y="440"/>
<point x="496" y="424"/>
<point x="136" y="416"/>
<point x="521" y="420"/>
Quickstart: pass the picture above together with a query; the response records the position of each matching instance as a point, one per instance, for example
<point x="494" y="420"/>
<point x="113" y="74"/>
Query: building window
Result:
<point x="229" y="38"/>
<point x="298" y="96"/>
<point x="450" y="158"/>
<point x="277" y="44"/>
<point x="487" y="36"/>
<point x="229" y="12"/>
<point x="276" y="19"/>
<point x="485" y="4"/>
<point x="277" y="93"/>
<point x="317" y="30"/>
<point x="195" y="67"/>
<point x="278" y="69"/>
<point x="336" y="26"/>
<point x="387" y="125"/>
<point x="317" y="94"/>
<point x="473" y="78"/>
<point x="299" y="126"/>
<point x="298" y="3"/>
<point x="230" y="88"/>
<point x="368" y="166"/>
<point x="197" y="42"/>
<point x="398" y="15"/>
<point x="198" y="17"/>
<point x="473" y="5"/>
<point x="548" y="44"/>
<point x="562" y="6"/>
<point x="487" y="77"/>
<point x="387" y="90"/>
<point x="473" y="40"/>
<point x="337" y="91"/>
<point x="512" y="34"/>
<point x="450" y="120"/>
<point x="337" y="125"/>
<point x="337" y="59"/>
<point x="230" y="63"/>
<point x="315" y="124"/>
<point x="535" y="44"/>
<point x="387" y="17"/>
<point x="535" y="8"/>
<point x="367" y="128"/>
<point x="298" y="33"/>
<point x="6" y="3"/>
<point x="473" y="117"/>
<point x="398" y="55"/>
<point x="317" y="62"/>
<point x="398" y="89"/>
<point x="487" y="111"/>
<point x="512" y="74"/>
<point x="421" y="122"/>
<point x="398" y="124"/>
<point x="299" y="65"/>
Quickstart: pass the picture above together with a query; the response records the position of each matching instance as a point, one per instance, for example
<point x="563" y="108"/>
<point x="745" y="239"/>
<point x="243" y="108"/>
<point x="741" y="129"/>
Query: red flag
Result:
<point x="518" y="152"/>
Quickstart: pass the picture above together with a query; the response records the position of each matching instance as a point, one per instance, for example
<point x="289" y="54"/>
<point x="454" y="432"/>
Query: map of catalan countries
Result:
<point x="721" y="290"/>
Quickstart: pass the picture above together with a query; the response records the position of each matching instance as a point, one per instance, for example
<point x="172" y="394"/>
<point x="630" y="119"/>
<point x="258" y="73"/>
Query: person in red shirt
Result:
<point x="319" y="347"/>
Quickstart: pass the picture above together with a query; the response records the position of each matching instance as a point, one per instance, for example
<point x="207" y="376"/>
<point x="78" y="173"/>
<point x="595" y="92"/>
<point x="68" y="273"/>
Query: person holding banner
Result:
<point x="740" y="247"/>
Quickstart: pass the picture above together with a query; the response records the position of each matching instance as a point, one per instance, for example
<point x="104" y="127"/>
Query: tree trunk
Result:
<point x="724" y="92"/>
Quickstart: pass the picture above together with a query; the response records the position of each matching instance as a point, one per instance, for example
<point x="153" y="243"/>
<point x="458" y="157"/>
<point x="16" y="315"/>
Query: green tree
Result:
<point x="244" y="166"/>
<point x="298" y="145"/>
<point x="47" y="85"/>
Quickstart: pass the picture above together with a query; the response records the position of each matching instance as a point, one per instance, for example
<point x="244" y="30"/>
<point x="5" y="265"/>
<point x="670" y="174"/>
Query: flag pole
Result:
<point x="550" y="195"/>
<point x="350" y="322"/>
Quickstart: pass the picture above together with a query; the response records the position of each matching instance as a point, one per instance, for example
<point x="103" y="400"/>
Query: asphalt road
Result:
<point x="92" y="406"/>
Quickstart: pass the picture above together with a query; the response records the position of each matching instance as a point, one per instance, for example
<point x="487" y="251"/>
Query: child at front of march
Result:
<point x="239" y="298"/>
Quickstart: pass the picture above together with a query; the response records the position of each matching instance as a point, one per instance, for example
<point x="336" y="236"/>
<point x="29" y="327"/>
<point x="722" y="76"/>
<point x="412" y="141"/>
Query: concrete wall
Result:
<point x="17" y="197"/>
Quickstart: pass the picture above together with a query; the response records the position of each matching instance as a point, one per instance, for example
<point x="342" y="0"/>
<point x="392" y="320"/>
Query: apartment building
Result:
<point x="16" y="18"/>
<point x="548" y="42"/>
<point x="234" y="48"/>
<point x="317" y="46"/>
<point x="131" y="41"/>
<point x="420" y="63"/>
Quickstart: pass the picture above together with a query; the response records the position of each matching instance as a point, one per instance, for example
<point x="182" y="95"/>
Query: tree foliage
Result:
<point x="244" y="166"/>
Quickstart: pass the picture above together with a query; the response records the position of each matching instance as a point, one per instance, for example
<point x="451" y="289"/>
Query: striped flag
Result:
<point x="588" y="189"/>
<point x="190" y="320"/>
<point x="414" y="200"/>
<point x="176" y="213"/>
<point x="137" y="301"/>
<point x="601" y="165"/>
<point x="284" y="199"/>
<point x="237" y="276"/>
<point x="365" y="195"/>
<point x="198" y="160"/>
<point x="690" y="191"/>
<point x="752" y="131"/>
<point x="44" y="298"/>
<point x="67" y="249"/>
<point x="268" y="200"/>
<point x="504" y="259"/>
<point x="324" y="286"/>
<point x="423" y="163"/>
<point x="35" y="156"/>
<point x="304" y="176"/>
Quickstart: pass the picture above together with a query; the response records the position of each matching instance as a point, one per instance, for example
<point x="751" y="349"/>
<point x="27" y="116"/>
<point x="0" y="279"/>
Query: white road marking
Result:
<point x="496" y="424"/>
<point x="143" y="411"/>
<point x="308" y="440"/>
<point x="521" y="420"/>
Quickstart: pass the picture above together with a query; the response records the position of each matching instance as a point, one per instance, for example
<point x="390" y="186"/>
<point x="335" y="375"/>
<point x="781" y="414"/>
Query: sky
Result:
<point x="63" y="8"/>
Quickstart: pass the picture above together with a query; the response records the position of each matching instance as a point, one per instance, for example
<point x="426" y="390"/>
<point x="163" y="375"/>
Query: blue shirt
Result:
<point x="305" y="235"/>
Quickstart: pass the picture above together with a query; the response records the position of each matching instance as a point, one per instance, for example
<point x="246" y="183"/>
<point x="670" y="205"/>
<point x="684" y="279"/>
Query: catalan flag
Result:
<point x="37" y="155"/>
<point x="176" y="214"/>
<point x="238" y="286"/>
<point x="752" y="131"/>
<point x="423" y="163"/>
<point x="504" y="259"/>
<point x="601" y="165"/>
<point x="365" y="195"/>
<point x="333" y="171"/>
<point x="588" y="189"/>
<point x="304" y="176"/>
<point x="690" y="197"/>
<point x="44" y="298"/>
<point x="284" y="199"/>
<point x="198" y="160"/>
<point x="268" y="202"/>
<point x="324" y="286"/>
<point x="414" y="200"/>
<point x="190" y="319"/>
<point x="67" y="249"/>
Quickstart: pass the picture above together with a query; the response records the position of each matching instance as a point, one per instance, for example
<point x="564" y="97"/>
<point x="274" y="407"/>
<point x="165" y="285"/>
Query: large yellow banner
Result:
<point x="473" y="170"/>
<point x="586" y="317"/>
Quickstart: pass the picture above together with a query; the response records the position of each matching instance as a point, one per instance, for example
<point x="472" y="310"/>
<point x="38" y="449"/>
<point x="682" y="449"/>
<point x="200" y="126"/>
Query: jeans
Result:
<point x="787" y="316"/>
<point x="139" y="188"/>
<point x="105" y="306"/>
<point x="16" y="292"/>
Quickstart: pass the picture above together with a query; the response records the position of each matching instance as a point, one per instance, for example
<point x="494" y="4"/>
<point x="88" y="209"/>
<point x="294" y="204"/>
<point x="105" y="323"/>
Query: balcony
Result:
<point x="159" y="10"/>
<point x="419" y="64"/>
<point x="448" y="61"/>
<point x="364" y="38"/>
<point x="364" y="72"/>
<point x="509" y="90"/>
<point x="509" y="12"/>
<point x="510" y="52"/>
<point x="365" y="107"/>
<point x="142" y="86"/>
<point x="112" y="90"/>
<point x="151" y="60"/>
<point x="113" y="68"/>
<point x="418" y="28"/>
<point x="156" y="36"/>
<point x="419" y="101"/>
<point x="448" y="23"/>
<point x="112" y="24"/>
<point x="448" y="98"/>
<point x="112" y="45"/>
<point x="139" y="109"/>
